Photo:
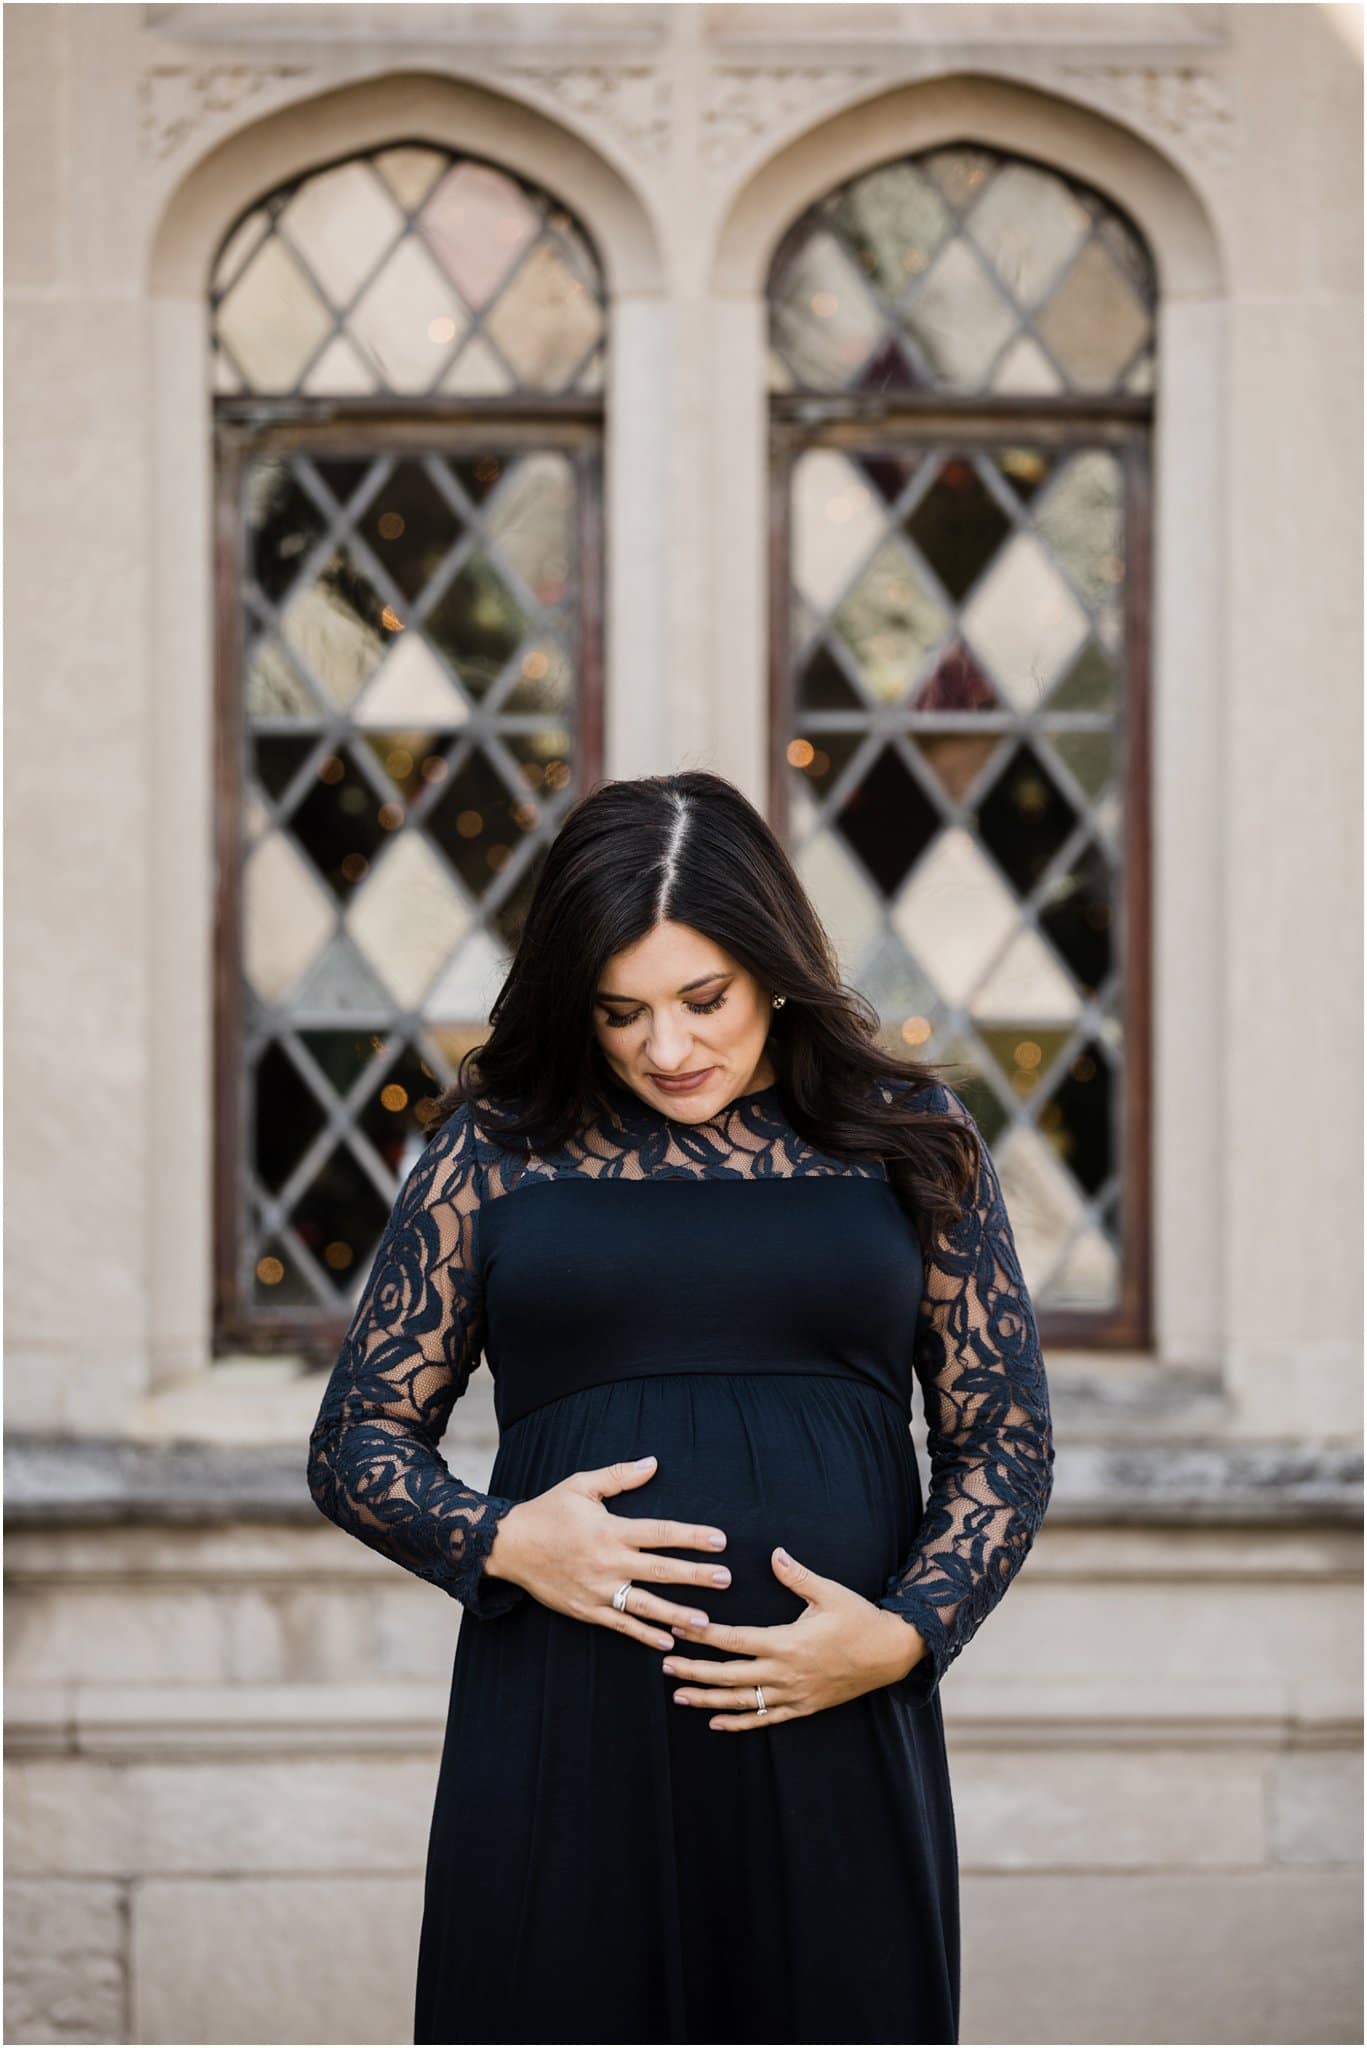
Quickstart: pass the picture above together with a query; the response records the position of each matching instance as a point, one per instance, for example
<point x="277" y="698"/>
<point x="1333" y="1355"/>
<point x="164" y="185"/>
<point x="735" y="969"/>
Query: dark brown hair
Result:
<point x="691" y="848"/>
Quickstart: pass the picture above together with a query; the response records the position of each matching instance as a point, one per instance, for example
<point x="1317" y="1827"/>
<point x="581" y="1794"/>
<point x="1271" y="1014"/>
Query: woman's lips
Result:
<point x="683" y="1084"/>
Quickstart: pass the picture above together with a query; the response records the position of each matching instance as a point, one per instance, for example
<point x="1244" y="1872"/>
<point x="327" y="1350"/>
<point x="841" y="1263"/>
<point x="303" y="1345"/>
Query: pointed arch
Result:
<point x="348" y="120"/>
<point x="970" y="107"/>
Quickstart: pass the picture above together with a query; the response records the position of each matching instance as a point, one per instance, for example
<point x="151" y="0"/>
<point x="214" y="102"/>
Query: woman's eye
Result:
<point x="617" y="1023"/>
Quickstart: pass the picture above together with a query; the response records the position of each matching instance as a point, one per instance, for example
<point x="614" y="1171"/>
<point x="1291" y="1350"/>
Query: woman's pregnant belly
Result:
<point x="822" y="1464"/>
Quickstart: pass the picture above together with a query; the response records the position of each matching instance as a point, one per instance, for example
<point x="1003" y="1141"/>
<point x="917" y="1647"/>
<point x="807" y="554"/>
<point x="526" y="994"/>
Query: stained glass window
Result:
<point x="408" y="353"/>
<point x="962" y="357"/>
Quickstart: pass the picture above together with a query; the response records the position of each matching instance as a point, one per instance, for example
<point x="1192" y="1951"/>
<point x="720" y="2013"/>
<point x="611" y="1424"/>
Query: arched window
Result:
<point x="408" y="355"/>
<point x="962" y="367"/>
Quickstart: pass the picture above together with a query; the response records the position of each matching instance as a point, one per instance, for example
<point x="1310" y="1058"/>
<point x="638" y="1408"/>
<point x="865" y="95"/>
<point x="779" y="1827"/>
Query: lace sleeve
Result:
<point x="413" y="1342"/>
<point x="989" y="1434"/>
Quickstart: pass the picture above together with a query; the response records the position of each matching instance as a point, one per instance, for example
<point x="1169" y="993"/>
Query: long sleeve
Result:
<point x="989" y="1433"/>
<point x="413" y="1342"/>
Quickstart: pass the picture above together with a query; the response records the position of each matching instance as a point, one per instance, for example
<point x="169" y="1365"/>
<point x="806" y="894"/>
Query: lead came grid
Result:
<point x="956" y="664"/>
<point x="409" y="668"/>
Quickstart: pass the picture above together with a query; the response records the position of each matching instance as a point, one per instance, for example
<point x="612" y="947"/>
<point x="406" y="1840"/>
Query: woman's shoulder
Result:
<point x="449" y="1140"/>
<point x="464" y="1127"/>
<point x="931" y="1097"/>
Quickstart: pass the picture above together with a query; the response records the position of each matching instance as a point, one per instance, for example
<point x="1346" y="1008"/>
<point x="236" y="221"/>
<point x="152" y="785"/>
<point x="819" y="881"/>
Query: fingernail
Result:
<point x="641" y="1463"/>
<point x="669" y="1667"/>
<point x="781" y="1552"/>
<point x="698" y="1620"/>
<point x="664" y="1642"/>
<point x="718" y="1542"/>
<point x="681" y="1699"/>
<point x="721" y="1578"/>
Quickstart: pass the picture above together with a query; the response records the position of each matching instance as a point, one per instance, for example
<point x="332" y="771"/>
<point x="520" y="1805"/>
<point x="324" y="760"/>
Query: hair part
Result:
<point x="690" y="848"/>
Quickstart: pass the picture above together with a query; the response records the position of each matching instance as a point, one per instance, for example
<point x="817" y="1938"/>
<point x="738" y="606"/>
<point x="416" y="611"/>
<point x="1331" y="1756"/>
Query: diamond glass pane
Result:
<point x="410" y="527"/>
<point x="890" y="622"/>
<point x="341" y="223"/>
<point x="477" y="222"/>
<point x="958" y="527"/>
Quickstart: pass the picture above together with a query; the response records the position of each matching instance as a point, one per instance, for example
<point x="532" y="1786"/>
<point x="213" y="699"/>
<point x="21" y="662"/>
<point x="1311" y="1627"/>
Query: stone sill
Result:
<point x="243" y="1398"/>
<point x="1199" y="1480"/>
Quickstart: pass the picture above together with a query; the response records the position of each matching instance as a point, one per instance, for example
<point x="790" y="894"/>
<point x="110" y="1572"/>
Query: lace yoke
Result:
<point x="749" y="1138"/>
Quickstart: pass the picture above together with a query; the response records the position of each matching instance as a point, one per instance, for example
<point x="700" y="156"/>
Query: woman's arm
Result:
<point x="414" y="1340"/>
<point x="989" y="1431"/>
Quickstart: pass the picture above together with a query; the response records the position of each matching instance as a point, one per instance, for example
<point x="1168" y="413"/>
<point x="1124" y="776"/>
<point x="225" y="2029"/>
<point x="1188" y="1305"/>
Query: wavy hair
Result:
<point x="692" y="849"/>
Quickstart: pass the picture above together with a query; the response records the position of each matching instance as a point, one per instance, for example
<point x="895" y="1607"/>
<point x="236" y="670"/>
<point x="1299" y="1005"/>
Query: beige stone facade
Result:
<point x="223" y="1718"/>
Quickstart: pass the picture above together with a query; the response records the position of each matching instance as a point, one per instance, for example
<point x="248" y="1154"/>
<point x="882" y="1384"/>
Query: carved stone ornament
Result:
<point x="1182" y="106"/>
<point x="746" y="105"/>
<point x="176" y="100"/>
<point x="627" y="104"/>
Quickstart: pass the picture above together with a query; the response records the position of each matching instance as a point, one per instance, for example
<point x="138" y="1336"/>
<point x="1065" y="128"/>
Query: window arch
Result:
<point x="962" y="373"/>
<point x="408" y="351"/>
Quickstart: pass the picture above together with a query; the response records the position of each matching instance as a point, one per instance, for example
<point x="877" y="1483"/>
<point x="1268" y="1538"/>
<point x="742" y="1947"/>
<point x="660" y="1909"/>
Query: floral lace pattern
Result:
<point x="413" y="1342"/>
<point x="417" y="1331"/>
<point x="989" y="1434"/>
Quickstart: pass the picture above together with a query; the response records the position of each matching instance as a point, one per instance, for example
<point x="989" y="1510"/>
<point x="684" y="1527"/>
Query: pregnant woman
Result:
<point x="707" y="1234"/>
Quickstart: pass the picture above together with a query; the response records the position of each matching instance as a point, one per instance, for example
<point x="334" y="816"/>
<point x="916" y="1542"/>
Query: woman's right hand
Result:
<point x="571" y="1553"/>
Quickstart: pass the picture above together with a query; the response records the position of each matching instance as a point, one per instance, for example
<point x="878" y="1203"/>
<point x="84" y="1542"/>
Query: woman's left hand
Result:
<point x="841" y="1645"/>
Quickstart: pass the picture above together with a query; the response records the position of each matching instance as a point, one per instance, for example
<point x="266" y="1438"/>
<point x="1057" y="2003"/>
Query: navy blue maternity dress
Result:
<point x="602" y="1865"/>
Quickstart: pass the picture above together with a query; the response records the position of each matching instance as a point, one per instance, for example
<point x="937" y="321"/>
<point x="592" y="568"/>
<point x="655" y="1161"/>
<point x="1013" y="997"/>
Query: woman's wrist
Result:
<point x="501" y="1558"/>
<point x="902" y="1644"/>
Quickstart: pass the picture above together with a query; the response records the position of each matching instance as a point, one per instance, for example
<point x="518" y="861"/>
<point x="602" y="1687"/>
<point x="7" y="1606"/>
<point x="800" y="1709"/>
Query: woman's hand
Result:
<point x="571" y="1553"/>
<point x="840" y="1646"/>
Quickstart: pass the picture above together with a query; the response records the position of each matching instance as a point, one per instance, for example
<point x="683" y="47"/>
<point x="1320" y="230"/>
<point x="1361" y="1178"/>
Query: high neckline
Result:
<point x="621" y="1092"/>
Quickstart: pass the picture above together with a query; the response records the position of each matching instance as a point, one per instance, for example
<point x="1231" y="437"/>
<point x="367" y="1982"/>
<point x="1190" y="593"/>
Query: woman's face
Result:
<point x="676" y="1007"/>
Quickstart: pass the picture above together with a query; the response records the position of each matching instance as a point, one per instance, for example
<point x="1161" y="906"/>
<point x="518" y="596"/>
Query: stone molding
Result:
<point x="52" y="1481"/>
<point x="194" y="1723"/>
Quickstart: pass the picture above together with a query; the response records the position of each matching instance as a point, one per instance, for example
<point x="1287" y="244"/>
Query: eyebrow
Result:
<point x="604" y="995"/>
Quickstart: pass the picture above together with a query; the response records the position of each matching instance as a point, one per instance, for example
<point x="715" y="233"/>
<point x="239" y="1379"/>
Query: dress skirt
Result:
<point x="604" y="1866"/>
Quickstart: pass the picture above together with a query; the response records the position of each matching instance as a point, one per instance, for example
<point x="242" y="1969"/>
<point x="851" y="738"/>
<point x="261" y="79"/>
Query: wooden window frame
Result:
<point x="245" y="428"/>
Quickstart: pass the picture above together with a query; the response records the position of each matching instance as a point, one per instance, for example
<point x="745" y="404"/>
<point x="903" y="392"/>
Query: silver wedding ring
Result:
<point x="619" y="1598"/>
<point x="760" y="1707"/>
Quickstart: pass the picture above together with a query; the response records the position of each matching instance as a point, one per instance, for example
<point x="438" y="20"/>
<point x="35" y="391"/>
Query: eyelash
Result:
<point x="698" y="1009"/>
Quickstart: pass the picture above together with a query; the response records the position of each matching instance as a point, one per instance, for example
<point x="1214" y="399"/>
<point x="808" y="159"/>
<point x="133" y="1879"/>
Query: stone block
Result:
<point x="275" y="1960"/>
<point x="1315" y="1806"/>
<point x="1163" y="1957"/>
<point x="1104" y="1808"/>
<point x="260" y="1815"/>
<point x="65" y="1962"/>
<point x="115" y="1632"/>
